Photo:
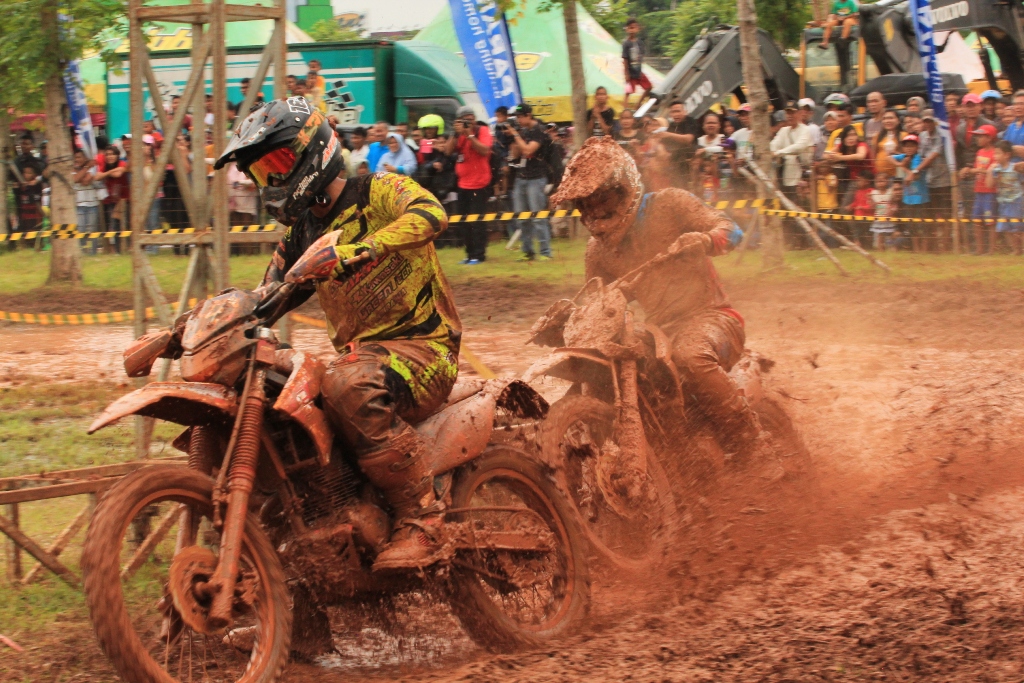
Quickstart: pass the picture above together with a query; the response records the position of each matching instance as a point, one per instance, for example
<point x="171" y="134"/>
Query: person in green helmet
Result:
<point x="436" y="171"/>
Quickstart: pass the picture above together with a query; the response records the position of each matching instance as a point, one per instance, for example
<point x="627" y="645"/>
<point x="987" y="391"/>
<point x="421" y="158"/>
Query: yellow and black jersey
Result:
<point x="402" y="294"/>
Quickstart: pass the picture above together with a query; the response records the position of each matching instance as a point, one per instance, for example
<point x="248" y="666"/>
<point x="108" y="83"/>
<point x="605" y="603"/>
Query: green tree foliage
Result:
<point x="783" y="19"/>
<point x="330" y="31"/>
<point x="659" y="30"/>
<point x="25" y="48"/>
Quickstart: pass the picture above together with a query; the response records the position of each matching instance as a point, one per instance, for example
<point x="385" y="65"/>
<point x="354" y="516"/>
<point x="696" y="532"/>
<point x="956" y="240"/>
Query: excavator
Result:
<point x="880" y="54"/>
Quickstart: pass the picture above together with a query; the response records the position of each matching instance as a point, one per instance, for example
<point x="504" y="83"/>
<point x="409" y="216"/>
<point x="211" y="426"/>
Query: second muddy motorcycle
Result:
<point x="270" y="522"/>
<point x="617" y="435"/>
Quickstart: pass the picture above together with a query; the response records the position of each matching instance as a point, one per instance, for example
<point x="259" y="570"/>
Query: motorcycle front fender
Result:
<point x="570" y="364"/>
<point x="186" y="403"/>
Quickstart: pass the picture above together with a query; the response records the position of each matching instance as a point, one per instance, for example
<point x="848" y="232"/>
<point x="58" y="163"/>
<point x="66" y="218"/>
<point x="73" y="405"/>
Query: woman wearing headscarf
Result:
<point x="399" y="158"/>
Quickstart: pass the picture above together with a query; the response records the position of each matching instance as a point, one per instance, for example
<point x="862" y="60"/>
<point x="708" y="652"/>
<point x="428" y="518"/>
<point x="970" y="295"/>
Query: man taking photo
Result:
<point x="530" y="179"/>
<point x="471" y="142"/>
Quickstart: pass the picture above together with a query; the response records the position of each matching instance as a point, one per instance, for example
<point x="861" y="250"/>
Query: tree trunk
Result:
<point x="65" y="266"/>
<point x="5" y="126"/>
<point x="760" y="124"/>
<point x="579" y="81"/>
<point x="819" y="10"/>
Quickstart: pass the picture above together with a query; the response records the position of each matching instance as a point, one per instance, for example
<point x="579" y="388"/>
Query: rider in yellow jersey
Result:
<point x="390" y="312"/>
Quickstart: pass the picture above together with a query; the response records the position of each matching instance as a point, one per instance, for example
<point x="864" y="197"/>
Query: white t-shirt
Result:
<point x="712" y="144"/>
<point x="882" y="202"/>
<point x="744" y="150"/>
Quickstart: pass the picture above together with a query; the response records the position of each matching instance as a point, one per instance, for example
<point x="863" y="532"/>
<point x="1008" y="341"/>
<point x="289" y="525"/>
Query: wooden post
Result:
<point x="198" y="105"/>
<point x="219" y="208"/>
<point x="280" y="48"/>
<point x="13" y="551"/>
<point x="34" y="549"/>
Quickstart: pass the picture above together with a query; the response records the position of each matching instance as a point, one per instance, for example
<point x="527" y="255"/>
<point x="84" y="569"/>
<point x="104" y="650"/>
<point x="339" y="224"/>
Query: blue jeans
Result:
<point x="528" y="195"/>
<point x="89" y="221"/>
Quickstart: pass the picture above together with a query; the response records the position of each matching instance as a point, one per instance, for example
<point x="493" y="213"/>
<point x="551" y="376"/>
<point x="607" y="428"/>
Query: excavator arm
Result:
<point x="712" y="69"/>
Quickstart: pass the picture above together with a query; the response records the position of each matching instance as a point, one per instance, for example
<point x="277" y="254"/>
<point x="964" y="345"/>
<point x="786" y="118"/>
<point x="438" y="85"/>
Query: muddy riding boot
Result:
<point x="399" y="472"/>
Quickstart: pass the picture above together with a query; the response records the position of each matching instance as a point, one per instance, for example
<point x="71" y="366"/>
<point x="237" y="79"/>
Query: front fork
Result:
<point x="234" y="491"/>
<point x="630" y="435"/>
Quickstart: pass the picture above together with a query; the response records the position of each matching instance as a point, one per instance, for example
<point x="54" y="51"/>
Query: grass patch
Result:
<point x="24" y="271"/>
<point x="43" y="427"/>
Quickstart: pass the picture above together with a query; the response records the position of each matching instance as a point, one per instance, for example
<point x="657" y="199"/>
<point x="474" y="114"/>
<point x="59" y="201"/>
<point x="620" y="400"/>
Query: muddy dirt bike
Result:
<point x="617" y="435"/>
<point x="270" y="517"/>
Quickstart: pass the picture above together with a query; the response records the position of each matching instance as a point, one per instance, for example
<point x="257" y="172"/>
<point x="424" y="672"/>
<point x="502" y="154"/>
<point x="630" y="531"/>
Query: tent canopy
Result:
<point x="542" y="61"/>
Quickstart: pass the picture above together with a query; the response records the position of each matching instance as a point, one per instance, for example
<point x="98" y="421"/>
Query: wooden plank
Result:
<point x="98" y="471"/>
<point x="31" y="493"/>
<point x="146" y="547"/>
<point x="180" y="14"/>
<point x="233" y="12"/>
<point x="280" y="49"/>
<point x="33" y="549"/>
<point x="58" y="546"/>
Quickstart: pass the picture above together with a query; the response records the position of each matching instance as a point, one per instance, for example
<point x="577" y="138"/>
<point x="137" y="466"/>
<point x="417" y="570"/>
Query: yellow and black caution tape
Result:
<point x="474" y="361"/>
<point x="881" y="219"/>
<point x="82" y="318"/>
<point x="68" y="231"/>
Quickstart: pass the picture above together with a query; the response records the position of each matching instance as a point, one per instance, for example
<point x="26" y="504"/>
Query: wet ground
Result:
<point x="900" y="560"/>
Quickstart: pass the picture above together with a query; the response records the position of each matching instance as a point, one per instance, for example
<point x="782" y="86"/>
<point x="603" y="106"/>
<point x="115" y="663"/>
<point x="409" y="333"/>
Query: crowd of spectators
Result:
<point x="885" y="163"/>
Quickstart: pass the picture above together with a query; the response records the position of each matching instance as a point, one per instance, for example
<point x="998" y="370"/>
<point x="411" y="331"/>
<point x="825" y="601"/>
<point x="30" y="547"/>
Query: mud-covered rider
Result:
<point x="390" y="312"/>
<point x="682" y="295"/>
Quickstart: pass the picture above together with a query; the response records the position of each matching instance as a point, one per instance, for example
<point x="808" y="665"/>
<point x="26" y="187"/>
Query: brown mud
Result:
<point x="898" y="560"/>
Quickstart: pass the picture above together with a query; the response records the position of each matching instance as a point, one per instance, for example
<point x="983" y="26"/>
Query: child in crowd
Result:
<point x="1006" y="178"/>
<point x="984" y="195"/>
<point x="710" y="183"/>
<point x="363" y="168"/>
<point x="915" y="190"/>
<point x="882" y="206"/>
<point x="860" y="205"/>
<point x="87" y="203"/>
<point x="29" y="197"/>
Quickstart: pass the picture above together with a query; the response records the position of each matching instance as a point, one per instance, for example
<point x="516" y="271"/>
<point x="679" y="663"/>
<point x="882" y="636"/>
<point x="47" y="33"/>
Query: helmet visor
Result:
<point x="276" y="164"/>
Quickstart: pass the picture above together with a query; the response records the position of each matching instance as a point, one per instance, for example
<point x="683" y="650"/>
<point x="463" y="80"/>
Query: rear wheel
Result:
<point x="520" y="575"/>
<point x="150" y="624"/>
<point x="631" y="532"/>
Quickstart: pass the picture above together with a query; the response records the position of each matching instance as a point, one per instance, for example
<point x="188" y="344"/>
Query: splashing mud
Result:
<point x="896" y="557"/>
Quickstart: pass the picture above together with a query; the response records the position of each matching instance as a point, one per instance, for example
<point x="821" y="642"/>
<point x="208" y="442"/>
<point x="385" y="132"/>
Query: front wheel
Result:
<point x="630" y="532"/>
<point x="520" y="575"/>
<point x="150" y="624"/>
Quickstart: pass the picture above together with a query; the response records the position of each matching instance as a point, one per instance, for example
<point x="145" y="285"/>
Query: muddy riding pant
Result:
<point x="705" y="348"/>
<point x="373" y="392"/>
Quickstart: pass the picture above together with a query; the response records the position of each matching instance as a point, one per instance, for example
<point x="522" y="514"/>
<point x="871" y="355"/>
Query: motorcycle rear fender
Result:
<point x="186" y="403"/>
<point x="297" y="400"/>
<point x="461" y="432"/>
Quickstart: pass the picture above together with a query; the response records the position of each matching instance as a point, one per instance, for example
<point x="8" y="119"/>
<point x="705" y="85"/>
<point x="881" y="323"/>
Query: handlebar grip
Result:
<point x="359" y="258"/>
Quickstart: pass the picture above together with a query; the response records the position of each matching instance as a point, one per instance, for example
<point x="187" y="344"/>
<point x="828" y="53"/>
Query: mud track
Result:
<point x="899" y="561"/>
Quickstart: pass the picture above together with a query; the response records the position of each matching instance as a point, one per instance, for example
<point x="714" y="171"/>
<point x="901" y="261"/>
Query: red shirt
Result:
<point x="472" y="168"/>
<point x="862" y="204"/>
<point x="985" y="158"/>
<point x="117" y="188"/>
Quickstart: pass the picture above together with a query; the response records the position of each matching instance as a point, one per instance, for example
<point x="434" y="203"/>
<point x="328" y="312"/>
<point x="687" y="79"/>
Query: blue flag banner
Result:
<point x="487" y="49"/>
<point x="923" y="22"/>
<point x="78" y="108"/>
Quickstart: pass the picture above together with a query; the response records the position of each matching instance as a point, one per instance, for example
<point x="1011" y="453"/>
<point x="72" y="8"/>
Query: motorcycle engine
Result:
<point x="326" y="490"/>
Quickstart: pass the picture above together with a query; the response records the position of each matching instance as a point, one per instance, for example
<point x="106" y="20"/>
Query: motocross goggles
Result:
<point x="277" y="164"/>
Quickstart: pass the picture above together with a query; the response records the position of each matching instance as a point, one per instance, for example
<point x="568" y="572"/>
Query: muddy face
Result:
<point x="605" y="210"/>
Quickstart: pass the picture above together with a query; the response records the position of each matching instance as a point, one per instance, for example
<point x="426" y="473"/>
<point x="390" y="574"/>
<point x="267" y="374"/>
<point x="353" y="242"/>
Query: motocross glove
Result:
<point x="351" y="257"/>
